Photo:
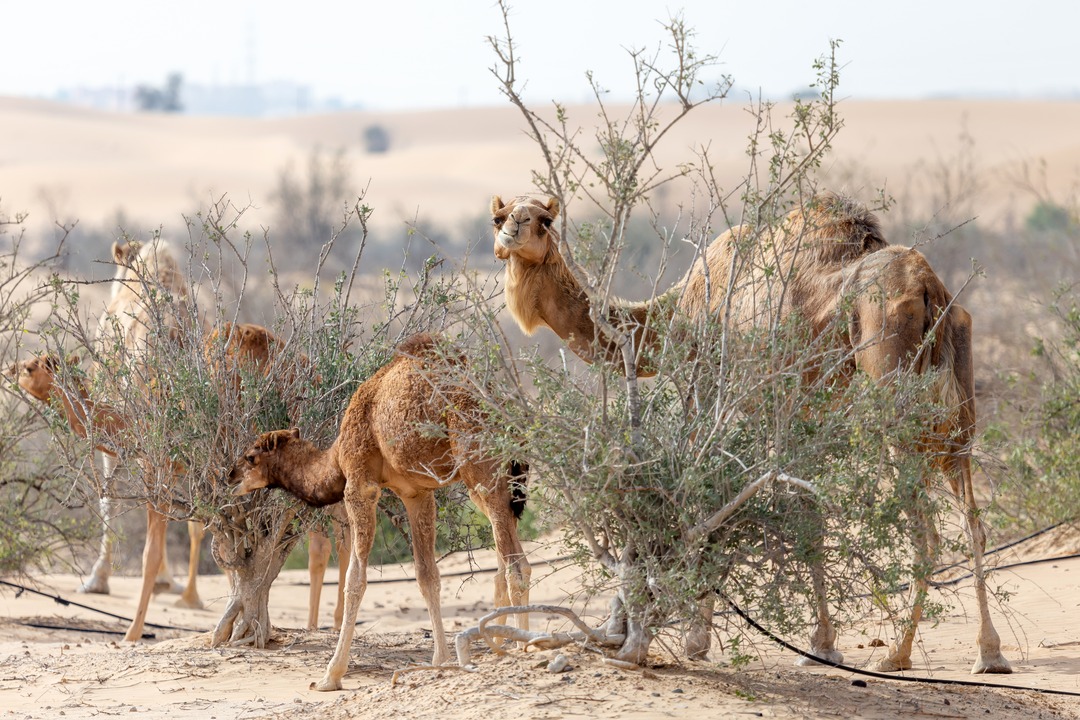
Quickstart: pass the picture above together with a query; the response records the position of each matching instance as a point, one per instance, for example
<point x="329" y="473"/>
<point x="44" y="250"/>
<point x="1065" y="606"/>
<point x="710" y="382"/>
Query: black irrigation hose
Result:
<point x="459" y="573"/>
<point x="1006" y="546"/>
<point x="883" y="676"/>
<point x="63" y="601"/>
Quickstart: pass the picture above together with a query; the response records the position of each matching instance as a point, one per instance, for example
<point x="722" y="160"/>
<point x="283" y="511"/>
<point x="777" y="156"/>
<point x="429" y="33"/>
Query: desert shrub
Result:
<point x="1048" y="217"/>
<point x="191" y="408"/>
<point x="755" y="457"/>
<point x="1043" y="448"/>
<point x="40" y="525"/>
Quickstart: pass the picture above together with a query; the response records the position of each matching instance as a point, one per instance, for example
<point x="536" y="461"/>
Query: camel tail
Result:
<point x="519" y="482"/>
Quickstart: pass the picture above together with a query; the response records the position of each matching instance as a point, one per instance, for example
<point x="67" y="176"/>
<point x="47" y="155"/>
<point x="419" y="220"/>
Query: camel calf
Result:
<point x="382" y="444"/>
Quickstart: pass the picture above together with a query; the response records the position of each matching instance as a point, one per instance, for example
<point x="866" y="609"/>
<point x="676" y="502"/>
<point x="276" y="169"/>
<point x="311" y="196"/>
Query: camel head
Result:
<point x="522" y="227"/>
<point x="37" y="376"/>
<point x="897" y="302"/>
<point x="252" y="471"/>
<point x="125" y="253"/>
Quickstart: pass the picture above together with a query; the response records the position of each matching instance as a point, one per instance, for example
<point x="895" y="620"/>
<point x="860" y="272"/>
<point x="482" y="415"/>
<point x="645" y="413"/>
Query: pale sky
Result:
<point x="414" y="54"/>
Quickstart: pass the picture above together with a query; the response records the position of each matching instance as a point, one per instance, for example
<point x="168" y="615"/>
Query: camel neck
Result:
<point x="547" y="293"/>
<point x="310" y="474"/>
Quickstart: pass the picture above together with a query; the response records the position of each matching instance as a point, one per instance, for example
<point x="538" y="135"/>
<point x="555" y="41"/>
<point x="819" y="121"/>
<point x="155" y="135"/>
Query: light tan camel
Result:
<point x="386" y="442"/>
<point x="828" y="249"/>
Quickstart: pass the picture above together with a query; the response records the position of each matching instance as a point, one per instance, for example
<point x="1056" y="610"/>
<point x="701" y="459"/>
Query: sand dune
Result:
<point x="60" y="162"/>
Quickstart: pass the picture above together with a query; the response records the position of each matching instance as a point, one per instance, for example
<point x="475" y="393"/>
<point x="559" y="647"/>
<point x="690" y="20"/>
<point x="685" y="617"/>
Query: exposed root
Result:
<point x="621" y="664"/>
<point x="404" y="671"/>
<point x="529" y="638"/>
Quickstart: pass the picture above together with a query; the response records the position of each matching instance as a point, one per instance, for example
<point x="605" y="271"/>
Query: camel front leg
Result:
<point x="98" y="582"/>
<point x="422" y="514"/>
<point x="153" y="557"/>
<point x="362" y="504"/>
<point x="343" y="538"/>
<point x="190" y="597"/>
<point x="318" y="558"/>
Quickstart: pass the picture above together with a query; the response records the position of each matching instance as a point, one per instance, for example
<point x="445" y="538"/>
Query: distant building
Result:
<point x="276" y="99"/>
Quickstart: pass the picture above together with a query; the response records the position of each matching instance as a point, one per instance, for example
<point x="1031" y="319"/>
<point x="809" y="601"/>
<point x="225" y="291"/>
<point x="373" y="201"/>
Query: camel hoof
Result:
<point x="327" y="684"/>
<point x="191" y="603"/>
<point x="833" y="656"/>
<point x="892" y="665"/>
<point x="95" y="586"/>
<point x="168" y="586"/>
<point x="998" y="665"/>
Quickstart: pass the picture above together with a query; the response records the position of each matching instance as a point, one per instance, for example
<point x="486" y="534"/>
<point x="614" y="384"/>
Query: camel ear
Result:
<point x="496" y="204"/>
<point x="553" y="207"/>
<point x="295" y="433"/>
<point x="73" y="360"/>
<point x="118" y="253"/>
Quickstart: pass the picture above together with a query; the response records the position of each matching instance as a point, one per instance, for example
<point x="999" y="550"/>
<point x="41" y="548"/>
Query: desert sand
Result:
<point x="66" y="661"/>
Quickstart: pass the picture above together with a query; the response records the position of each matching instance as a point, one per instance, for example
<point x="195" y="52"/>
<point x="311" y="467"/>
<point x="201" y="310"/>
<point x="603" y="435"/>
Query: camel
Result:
<point x="385" y="442"/>
<point x="37" y="376"/>
<point x="903" y="319"/>
<point x="245" y="344"/>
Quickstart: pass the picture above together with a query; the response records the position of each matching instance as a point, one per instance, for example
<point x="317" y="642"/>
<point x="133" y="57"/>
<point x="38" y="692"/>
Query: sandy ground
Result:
<point x="49" y="673"/>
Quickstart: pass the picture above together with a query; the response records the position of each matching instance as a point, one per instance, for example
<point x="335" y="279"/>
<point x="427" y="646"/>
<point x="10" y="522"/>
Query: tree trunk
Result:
<point x="252" y="561"/>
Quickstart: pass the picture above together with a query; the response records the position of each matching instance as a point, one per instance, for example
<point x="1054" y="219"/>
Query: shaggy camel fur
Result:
<point x="383" y="444"/>
<point x="828" y="249"/>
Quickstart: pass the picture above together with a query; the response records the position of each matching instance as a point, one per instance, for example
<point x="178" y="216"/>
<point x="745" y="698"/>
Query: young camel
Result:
<point x="383" y="444"/>
<point x="831" y="247"/>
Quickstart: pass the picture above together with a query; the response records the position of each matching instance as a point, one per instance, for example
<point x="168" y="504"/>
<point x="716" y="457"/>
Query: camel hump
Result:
<point x="417" y="345"/>
<point x="837" y="229"/>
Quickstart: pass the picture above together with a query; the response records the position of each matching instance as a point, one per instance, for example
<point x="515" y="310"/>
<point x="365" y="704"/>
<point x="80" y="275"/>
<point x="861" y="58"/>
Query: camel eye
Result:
<point x="250" y="457"/>
<point x="546" y="222"/>
<point x="498" y="221"/>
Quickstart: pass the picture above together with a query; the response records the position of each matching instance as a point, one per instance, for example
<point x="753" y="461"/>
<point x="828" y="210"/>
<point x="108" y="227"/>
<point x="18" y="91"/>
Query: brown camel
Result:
<point x="246" y="345"/>
<point x="385" y="442"/>
<point x="37" y="376"/>
<point x="828" y="249"/>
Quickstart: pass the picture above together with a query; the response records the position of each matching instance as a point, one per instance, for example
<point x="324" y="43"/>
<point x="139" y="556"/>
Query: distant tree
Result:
<point x="1048" y="216"/>
<point x="376" y="139"/>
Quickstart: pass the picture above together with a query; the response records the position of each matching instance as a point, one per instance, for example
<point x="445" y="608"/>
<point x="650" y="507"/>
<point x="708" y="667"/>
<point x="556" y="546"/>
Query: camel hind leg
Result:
<point x="514" y="577"/>
<point x="153" y="557"/>
<point x="422" y="515"/>
<point x="190" y="597"/>
<point x="362" y="500"/>
<point x="990" y="659"/>
<point x="318" y="558"/>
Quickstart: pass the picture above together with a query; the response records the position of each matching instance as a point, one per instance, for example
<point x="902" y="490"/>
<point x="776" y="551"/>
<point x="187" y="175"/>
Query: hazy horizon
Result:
<point x="423" y="54"/>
